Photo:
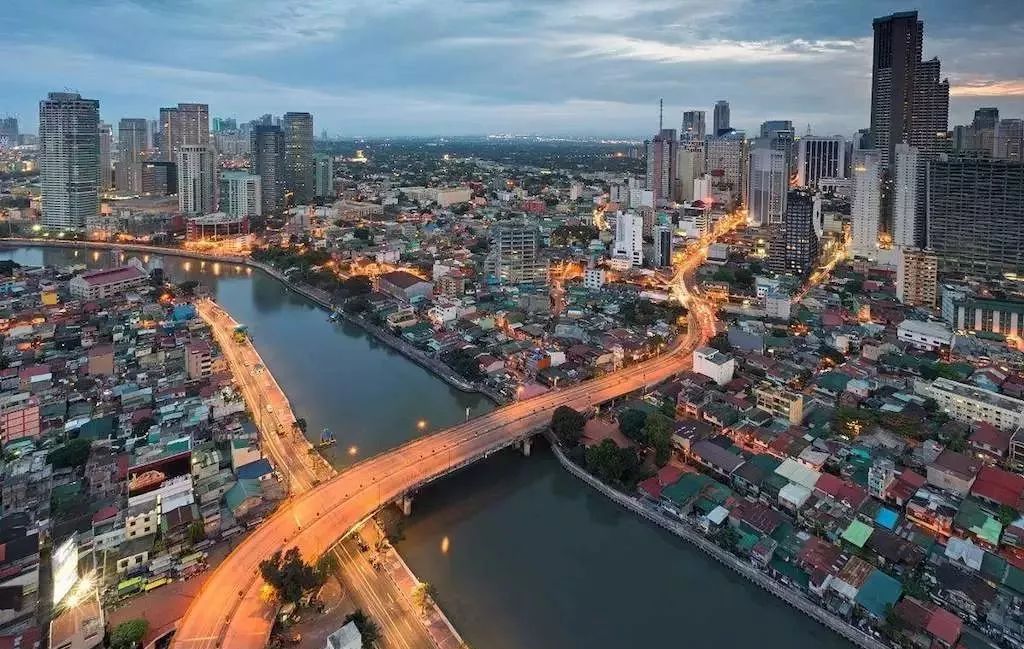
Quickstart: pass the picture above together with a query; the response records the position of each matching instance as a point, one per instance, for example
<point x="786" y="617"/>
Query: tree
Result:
<point x="326" y="566"/>
<point x="368" y="629"/>
<point x="423" y="596"/>
<point x="631" y="424"/>
<point x="300" y="425"/>
<point x="658" y="435"/>
<point x="129" y="634"/>
<point x="289" y="575"/>
<point x="196" y="532"/>
<point x="567" y="424"/>
<point x="188" y="287"/>
<point x="71" y="454"/>
<point x="1006" y="515"/>
<point x="720" y="341"/>
<point x="357" y="285"/>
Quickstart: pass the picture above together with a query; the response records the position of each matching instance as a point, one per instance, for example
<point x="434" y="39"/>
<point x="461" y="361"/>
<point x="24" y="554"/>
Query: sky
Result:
<point x="462" y="67"/>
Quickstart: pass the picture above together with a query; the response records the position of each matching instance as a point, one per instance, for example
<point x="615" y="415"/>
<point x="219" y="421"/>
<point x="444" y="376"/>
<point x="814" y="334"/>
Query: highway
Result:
<point x="231" y="610"/>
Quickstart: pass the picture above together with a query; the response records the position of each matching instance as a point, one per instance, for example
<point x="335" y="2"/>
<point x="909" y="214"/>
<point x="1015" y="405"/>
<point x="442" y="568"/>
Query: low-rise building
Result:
<point x="780" y="402"/>
<point x="926" y="335"/>
<point x="716" y="365"/>
<point x="97" y="284"/>
<point x="971" y="404"/>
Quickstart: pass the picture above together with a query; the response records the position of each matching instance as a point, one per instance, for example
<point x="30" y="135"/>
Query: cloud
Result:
<point x="988" y="88"/>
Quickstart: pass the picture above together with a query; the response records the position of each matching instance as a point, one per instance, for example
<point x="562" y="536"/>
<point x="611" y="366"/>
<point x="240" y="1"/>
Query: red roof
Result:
<point x="915" y="480"/>
<point x="840" y="490"/>
<point x="1001" y="487"/>
<point x="109" y="276"/>
<point x="668" y="475"/>
<point x="651" y="487"/>
<point x="988" y="435"/>
<point x="945" y="626"/>
<point x="105" y="513"/>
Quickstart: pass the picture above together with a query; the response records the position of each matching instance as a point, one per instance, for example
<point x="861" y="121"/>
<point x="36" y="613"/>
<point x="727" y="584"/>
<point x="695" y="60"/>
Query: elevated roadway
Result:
<point x="233" y="610"/>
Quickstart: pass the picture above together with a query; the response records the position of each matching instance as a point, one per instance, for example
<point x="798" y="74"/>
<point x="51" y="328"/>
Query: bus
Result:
<point x="157" y="583"/>
<point x="130" y="586"/>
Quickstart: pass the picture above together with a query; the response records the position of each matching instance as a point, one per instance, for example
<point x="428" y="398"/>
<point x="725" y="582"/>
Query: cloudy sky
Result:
<point x="430" y="67"/>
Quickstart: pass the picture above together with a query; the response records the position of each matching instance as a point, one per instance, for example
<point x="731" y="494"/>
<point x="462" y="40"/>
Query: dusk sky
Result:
<point x="432" y="67"/>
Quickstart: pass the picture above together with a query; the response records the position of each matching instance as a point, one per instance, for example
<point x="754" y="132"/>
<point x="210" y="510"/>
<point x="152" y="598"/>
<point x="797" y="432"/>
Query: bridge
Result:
<point x="233" y="609"/>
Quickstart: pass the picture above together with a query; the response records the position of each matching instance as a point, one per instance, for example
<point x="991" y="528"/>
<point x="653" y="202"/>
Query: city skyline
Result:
<point x="589" y="67"/>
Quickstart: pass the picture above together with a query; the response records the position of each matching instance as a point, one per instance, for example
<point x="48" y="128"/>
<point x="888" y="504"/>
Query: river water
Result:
<point x="533" y="558"/>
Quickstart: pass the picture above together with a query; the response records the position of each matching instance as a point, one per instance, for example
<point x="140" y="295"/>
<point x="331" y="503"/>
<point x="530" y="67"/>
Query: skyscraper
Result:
<point x="662" y="245"/>
<point x="325" y="176"/>
<point x="909" y="103"/>
<point x="240" y="194"/>
<point x="661" y="164"/>
<point x="976" y="214"/>
<point x="106" y="142"/>
<point x="298" y="156"/>
<point x="689" y="166"/>
<point x="195" y="166"/>
<point x="8" y="132"/>
<point x="865" y="211"/>
<point x="1008" y="141"/>
<point x="131" y="143"/>
<point x="693" y="125"/>
<point x="69" y="160"/>
<point x="766" y="187"/>
<point x="184" y="125"/>
<point x="628" y="246"/>
<point x="820" y="157"/>
<point x="908" y="198"/>
<point x="721" y="117"/>
<point x="514" y="256"/>
<point x="796" y="244"/>
<point x="268" y="164"/>
<point x="985" y="117"/>
<point x="725" y="153"/>
<point x="916" y="276"/>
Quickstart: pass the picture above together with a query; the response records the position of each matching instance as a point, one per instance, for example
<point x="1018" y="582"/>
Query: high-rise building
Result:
<point x="721" y="117"/>
<point x="298" y="157"/>
<point x="985" y="118"/>
<point x="221" y="124"/>
<point x="240" y="194"/>
<point x="1008" y="140"/>
<point x="796" y="244"/>
<point x="908" y="198"/>
<point x="69" y="160"/>
<point x="693" y="125"/>
<point x="628" y="246"/>
<point x="325" y="176"/>
<point x="726" y="153"/>
<point x="196" y="184"/>
<point x="909" y="103"/>
<point x="865" y="211"/>
<point x="514" y="257"/>
<point x="106" y="170"/>
<point x="917" y="274"/>
<point x="8" y="132"/>
<point x="975" y="214"/>
<point x="689" y="166"/>
<point x="661" y="165"/>
<point x="766" y="186"/>
<point x="268" y="164"/>
<point x="131" y="144"/>
<point x="820" y="157"/>
<point x="183" y="125"/>
<point x="662" y="246"/>
<point x="771" y="127"/>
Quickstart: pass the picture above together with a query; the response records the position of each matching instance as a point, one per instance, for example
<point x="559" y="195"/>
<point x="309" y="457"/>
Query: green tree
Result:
<point x="289" y="575"/>
<point x="567" y="425"/>
<point x="1006" y="515"/>
<point x="423" y="596"/>
<point x="368" y="629"/>
<point x="631" y="424"/>
<point x="71" y="454"/>
<point x="326" y="566"/>
<point x="727" y="538"/>
<point x="357" y="285"/>
<point x="128" y="634"/>
<point x="188" y="287"/>
<point x="300" y="425"/>
<point x="658" y="435"/>
<point x="196" y="531"/>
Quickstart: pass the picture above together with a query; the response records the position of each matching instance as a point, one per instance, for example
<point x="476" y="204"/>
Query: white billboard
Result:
<point x="65" y="568"/>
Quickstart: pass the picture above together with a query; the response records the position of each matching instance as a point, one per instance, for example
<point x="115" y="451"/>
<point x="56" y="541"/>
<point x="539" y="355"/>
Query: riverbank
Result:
<point x="315" y="295"/>
<point x="745" y="570"/>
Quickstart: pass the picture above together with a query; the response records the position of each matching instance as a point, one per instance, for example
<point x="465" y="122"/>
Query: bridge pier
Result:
<point x="405" y="504"/>
<point x="525" y="447"/>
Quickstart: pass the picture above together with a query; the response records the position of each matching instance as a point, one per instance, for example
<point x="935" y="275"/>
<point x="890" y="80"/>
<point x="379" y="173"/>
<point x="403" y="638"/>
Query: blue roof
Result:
<point x="886" y="518"/>
<point x="183" y="312"/>
<point x="254" y="470"/>
<point x="878" y="592"/>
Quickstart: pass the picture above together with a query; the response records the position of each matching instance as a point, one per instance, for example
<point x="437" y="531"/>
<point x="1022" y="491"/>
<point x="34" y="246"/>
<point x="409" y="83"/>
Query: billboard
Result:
<point x="65" y="568"/>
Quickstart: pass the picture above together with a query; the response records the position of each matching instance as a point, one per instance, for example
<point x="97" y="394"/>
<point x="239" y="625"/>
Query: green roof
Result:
<point x="688" y="486"/>
<point x="857" y="533"/>
<point x="972" y="517"/>
<point x="879" y="592"/>
<point x="747" y="541"/>
<point x="993" y="567"/>
<point x="790" y="570"/>
<point x="1014" y="579"/>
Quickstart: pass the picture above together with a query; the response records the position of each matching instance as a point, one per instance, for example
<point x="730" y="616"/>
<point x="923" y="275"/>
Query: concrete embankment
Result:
<point x="744" y="569"/>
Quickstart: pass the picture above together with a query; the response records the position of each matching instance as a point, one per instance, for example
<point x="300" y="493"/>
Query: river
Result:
<point x="534" y="558"/>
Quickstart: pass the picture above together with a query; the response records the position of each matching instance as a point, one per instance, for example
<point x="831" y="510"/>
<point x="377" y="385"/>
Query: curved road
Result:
<point x="231" y="609"/>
